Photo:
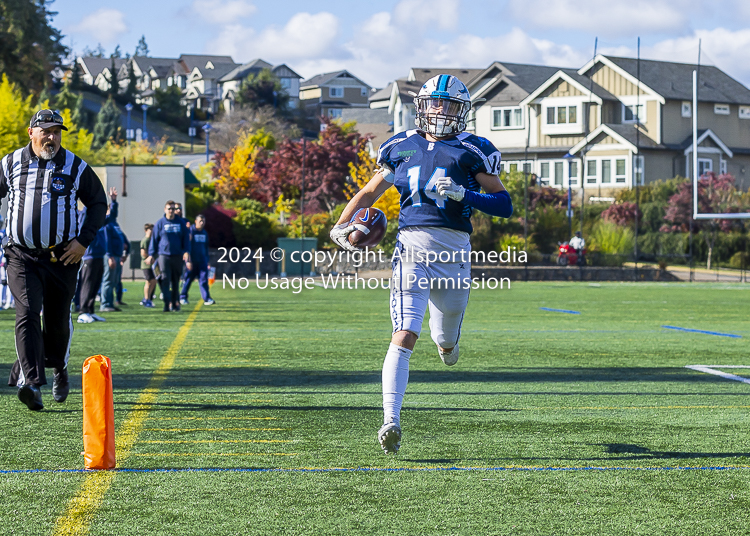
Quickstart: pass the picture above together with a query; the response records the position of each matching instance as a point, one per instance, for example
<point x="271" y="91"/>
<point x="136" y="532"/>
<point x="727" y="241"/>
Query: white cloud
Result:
<point x="611" y="18"/>
<point x="105" y="25"/>
<point x="222" y="11"/>
<point x="304" y="37"/>
<point x="440" y="14"/>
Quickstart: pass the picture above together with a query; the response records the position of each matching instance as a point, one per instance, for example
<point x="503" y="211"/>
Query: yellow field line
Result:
<point x="81" y="508"/>
<point x="214" y="429"/>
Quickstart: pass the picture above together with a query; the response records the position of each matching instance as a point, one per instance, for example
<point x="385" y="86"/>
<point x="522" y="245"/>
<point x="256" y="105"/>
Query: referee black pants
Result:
<point x="40" y="285"/>
<point x="171" y="270"/>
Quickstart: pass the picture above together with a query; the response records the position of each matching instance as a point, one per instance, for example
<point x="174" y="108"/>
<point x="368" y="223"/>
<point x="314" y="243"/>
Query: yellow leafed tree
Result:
<point x="362" y="172"/>
<point x="15" y="112"/>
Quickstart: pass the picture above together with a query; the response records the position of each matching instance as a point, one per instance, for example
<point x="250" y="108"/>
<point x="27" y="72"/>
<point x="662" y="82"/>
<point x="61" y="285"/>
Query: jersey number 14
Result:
<point x="429" y="189"/>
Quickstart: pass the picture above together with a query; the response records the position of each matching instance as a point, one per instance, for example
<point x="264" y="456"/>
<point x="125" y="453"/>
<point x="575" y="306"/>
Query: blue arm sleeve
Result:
<point x="497" y="204"/>
<point x="152" y="245"/>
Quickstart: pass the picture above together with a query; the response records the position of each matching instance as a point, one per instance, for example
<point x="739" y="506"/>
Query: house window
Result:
<point x="686" y="109"/>
<point x="722" y="166"/>
<point x="513" y="167"/>
<point x="507" y="118"/>
<point x="744" y="112"/>
<point x="638" y="170"/>
<point x="558" y="173"/>
<point x="721" y="109"/>
<point x="704" y="166"/>
<point x="573" y="172"/>
<point x="633" y="113"/>
<point x="363" y="92"/>
<point x="527" y="167"/>
<point x="606" y="171"/>
<point x="544" y="173"/>
<point x="591" y="172"/>
<point x="286" y="83"/>
<point x="620" y="171"/>
<point x="560" y="115"/>
<point x="334" y="113"/>
<point x="336" y="92"/>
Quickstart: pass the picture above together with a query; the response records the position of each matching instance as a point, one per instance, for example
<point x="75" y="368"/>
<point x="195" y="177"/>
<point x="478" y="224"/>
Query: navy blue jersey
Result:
<point x="417" y="164"/>
<point x="199" y="246"/>
<point x="169" y="237"/>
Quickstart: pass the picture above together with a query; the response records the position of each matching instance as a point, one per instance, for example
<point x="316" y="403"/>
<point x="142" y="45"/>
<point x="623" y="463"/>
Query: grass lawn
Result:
<point x="550" y="423"/>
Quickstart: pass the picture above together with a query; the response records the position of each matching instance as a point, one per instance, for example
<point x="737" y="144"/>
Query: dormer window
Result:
<point x="721" y="109"/>
<point x="209" y="65"/>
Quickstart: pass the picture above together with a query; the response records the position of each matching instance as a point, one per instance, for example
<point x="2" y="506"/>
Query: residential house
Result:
<point x="630" y="129"/>
<point x="327" y="95"/>
<point x="150" y="75"/>
<point x="601" y="126"/>
<point x="201" y="76"/>
<point x="97" y="71"/>
<point x="231" y="82"/>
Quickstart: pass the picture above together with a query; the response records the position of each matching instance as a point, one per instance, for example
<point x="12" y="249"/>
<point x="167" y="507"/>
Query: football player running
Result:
<point x="439" y="171"/>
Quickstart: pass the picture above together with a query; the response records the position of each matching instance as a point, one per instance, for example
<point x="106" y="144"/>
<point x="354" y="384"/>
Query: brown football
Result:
<point x="370" y="224"/>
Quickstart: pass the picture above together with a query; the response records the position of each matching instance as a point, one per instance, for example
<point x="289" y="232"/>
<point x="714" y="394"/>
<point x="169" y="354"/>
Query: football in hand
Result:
<point x="370" y="225"/>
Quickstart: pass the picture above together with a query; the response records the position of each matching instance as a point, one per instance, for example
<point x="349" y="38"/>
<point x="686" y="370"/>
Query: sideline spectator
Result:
<point x="148" y="272"/>
<point x="114" y="246"/>
<point x="170" y="242"/>
<point x="125" y="253"/>
<point x="90" y="278"/>
<point x="198" y="265"/>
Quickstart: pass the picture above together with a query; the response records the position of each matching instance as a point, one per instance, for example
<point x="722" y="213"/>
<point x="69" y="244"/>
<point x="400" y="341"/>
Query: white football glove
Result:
<point x="446" y="187"/>
<point x="340" y="233"/>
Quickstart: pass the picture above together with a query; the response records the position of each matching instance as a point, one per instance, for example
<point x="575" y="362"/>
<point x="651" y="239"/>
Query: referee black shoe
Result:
<point x="31" y="396"/>
<point x="60" y="386"/>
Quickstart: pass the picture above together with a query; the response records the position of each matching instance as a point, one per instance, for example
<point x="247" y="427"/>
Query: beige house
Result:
<point x="327" y="95"/>
<point x="200" y="75"/>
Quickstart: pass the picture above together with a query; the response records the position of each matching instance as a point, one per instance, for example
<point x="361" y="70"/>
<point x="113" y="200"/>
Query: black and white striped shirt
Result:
<point x="43" y="198"/>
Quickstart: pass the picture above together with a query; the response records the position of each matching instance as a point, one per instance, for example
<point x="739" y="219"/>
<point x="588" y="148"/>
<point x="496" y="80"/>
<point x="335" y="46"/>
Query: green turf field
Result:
<point x="550" y="423"/>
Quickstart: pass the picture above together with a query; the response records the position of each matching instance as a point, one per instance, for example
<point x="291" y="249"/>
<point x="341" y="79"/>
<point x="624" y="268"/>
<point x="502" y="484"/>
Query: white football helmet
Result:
<point x="442" y="106"/>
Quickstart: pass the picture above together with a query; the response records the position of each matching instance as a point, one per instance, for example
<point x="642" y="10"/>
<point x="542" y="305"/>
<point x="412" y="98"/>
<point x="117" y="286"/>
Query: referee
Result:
<point x="44" y="183"/>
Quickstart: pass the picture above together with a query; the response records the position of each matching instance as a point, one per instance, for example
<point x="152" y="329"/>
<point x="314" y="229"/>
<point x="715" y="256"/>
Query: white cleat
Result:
<point x="85" y="318"/>
<point x="389" y="437"/>
<point x="449" y="358"/>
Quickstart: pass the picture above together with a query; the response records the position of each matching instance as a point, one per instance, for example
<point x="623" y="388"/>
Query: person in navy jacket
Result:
<point x="170" y="245"/>
<point x="198" y="265"/>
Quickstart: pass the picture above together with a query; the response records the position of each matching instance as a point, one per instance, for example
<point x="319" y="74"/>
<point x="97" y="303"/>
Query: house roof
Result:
<point x="675" y="80"/>
<point x="242" y="71"/>
<point x="625" y="133"/>
<point x="583" y="83"/>
<point x="423" y="74"/>
<point x="222" y="64"/>
<point x="383" y="94"/>
<point x="96" y="65"/>
<point x="285" y="66"/>
<point x="322" y="79"/>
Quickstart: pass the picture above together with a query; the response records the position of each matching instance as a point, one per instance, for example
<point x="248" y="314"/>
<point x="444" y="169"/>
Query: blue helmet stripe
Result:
<point x="443" y="82"/>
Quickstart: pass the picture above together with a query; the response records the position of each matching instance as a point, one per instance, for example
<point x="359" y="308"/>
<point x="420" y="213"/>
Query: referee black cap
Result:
<point x="47" y="119"/>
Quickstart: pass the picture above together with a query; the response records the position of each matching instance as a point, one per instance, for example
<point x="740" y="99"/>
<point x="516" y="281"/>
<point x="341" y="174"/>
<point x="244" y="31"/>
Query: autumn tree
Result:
<point x="234" y="170"/>
<point x="716" y="194"/>
<point x="326" y="168"/>
<point x="362" y="170"/>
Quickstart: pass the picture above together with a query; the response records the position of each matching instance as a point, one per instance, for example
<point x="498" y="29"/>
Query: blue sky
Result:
<point x="379" y="42"/>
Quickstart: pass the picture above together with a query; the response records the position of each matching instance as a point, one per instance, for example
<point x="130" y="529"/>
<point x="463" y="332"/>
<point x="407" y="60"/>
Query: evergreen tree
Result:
<point x="142" y="48"/>
<point x="29" y="46"/>
<point x="117" y="53"/>
<point x="113" y="84"/>
<point x="44" y="95"/>
<point x="131" y="90"/>
<point x="263" y="89"/>
<point x="96" y="53"/>
<point x="70" y="100"/>
<point x="108" y="124"/>
<point x="75" y="75"/>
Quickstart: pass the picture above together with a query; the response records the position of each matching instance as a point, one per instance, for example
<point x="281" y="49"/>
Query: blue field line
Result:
<point x="375" y="469"/>
<point x="704" y="332"/>
<point x="560" y="311"/>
